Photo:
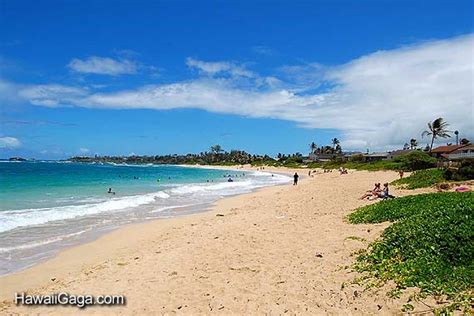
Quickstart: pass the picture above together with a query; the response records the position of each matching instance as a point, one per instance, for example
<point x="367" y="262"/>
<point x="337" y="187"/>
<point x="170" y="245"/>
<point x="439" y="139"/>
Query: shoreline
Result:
<point x="16" y="276"/>
<point x="266" y="233"/>
<point x="90" y="235"/>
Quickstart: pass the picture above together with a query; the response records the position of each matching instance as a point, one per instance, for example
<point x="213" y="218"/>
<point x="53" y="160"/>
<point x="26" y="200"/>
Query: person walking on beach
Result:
<point x="295" y="178"/>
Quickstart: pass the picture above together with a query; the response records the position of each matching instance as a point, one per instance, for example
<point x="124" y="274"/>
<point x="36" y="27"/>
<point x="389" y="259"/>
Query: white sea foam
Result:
<point x="171" y="207"/>
<point x="194" y="193"/>
<point x="12" y="219"/>
<point x="42" y="242"/>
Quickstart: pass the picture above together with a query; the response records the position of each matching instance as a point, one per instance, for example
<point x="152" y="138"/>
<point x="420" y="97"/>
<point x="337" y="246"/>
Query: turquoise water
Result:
<point x="46" y="206"/>
<point x="46" y="184"/>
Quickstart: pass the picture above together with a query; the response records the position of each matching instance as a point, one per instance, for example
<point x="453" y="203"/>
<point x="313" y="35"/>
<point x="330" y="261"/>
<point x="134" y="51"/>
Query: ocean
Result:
<point x="48" y="206"/>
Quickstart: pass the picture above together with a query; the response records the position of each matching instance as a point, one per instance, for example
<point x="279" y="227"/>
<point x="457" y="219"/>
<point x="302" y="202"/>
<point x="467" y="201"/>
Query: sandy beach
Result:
<point x="282" y="249"/>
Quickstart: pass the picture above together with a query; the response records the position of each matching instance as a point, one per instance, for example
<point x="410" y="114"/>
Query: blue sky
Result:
<point x="155" y="77"/>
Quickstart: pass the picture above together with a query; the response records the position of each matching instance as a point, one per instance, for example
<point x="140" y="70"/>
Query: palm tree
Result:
<point x="437" y="129"/>
<point x="327" y="150"/>
<point x="313" y="147"/>
<point x="413" y="143"/>
<point x="216" y="149"/>
<point x="335" y="142"/>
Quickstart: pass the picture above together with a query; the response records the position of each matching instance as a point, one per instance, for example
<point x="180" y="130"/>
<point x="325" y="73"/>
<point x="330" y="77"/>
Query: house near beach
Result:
<point x="465" y="152"/>
<point x="377" y="156"/>
<point x="321" y="156"/>
<point x="445" y="151"/>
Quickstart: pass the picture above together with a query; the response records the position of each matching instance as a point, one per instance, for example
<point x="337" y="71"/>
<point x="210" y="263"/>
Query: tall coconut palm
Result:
<point x="216" y="149"/>
<point x="335" y="142"/>
<point x="313" y="147"/>
<point x="436" y="129"/>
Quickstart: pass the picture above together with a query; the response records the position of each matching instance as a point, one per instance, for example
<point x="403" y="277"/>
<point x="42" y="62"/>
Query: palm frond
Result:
<point x="444" y="134"/>
<point x="426" y="133"/>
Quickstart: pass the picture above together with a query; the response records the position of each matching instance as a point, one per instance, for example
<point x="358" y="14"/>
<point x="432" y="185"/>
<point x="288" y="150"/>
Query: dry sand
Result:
<point x="279" y="250"/>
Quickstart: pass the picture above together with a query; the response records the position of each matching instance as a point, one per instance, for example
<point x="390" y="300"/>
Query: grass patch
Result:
<point x="403" y="207"/>
<point x="430" y="245"/>
<point x="415" y="160"/>
<point x="421" y="179"/>
<point x="370" y="166"/>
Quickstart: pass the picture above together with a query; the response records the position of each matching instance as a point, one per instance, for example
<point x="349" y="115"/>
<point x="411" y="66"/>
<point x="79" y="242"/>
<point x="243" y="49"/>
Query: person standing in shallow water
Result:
<point x="295" y="178"/>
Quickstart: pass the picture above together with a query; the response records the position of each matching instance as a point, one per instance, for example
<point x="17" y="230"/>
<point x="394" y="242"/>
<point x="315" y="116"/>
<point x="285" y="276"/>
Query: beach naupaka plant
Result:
<point x="436" y="129"/>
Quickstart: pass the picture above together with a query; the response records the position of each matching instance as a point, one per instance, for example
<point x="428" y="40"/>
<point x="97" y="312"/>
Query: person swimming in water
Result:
<point x="230" y="180"/>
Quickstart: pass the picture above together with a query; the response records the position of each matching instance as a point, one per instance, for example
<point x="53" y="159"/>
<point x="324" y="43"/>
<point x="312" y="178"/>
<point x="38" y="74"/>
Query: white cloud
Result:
<point x="378" y="101"/>
<point x="9" y="142"/>
<point x="103" y="66"/>
<point x="220" y="67"/>
<point x="305" y="77"/>
<point x="388" y="97"/>
<point x="84" y="150"/>
<point x="52" y="95"/>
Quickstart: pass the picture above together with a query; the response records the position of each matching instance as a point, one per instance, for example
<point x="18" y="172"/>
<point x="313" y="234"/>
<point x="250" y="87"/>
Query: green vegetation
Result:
<point x="430" y="177"/>
<point x="415" y="160"/>
<point x="464" y="172"/>
<point x="430" y="245"/>
<point x="216" y="156"/>
<point x="370" y="166"/>
<point x="421" y="179"/>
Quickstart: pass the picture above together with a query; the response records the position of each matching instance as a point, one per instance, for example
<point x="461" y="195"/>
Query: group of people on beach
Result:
<point x="378" y="193"/>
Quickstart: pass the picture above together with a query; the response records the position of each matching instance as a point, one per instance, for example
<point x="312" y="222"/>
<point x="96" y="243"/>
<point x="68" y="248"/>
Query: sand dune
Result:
<point x="280" y="250"/>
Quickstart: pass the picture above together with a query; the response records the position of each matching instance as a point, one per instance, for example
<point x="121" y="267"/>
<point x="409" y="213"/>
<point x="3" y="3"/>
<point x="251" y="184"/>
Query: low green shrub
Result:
<point x="370" y="166"/>
<point x="268" y="162"/>
<point x="415" y="160"/>
<point x="464" y="172"/>
<point x="421" y="179"/>
<point x="403" y="207"/>
<point x="430" y="245"/>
